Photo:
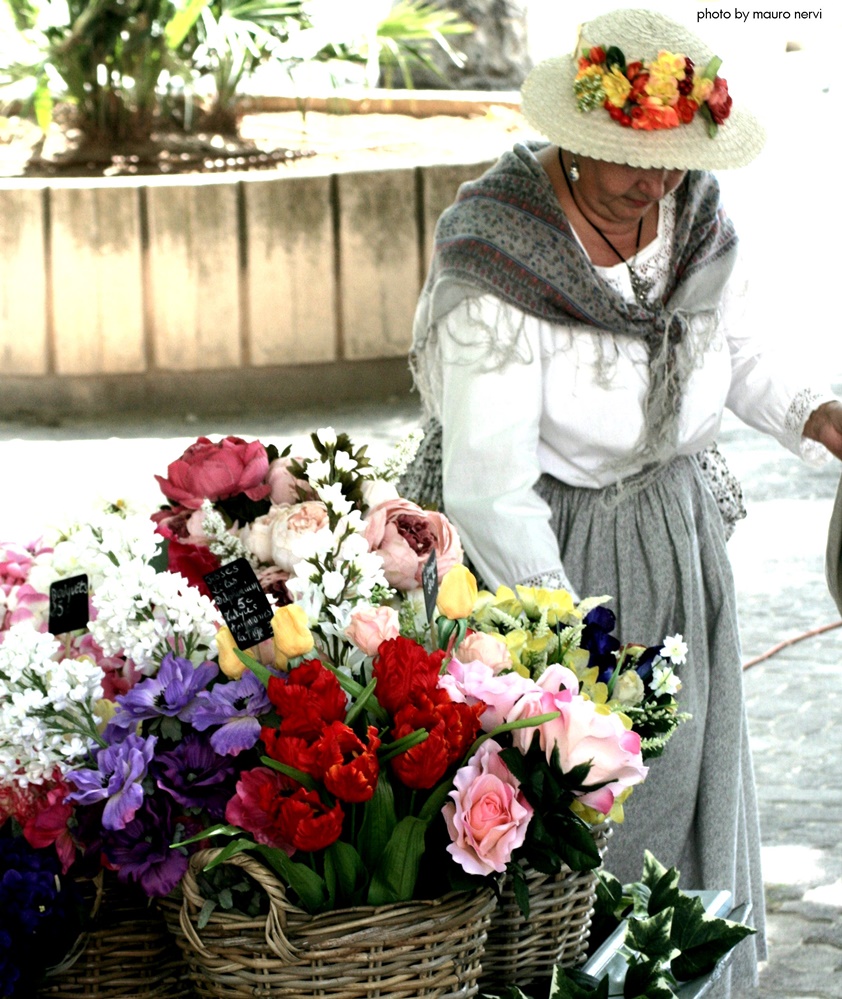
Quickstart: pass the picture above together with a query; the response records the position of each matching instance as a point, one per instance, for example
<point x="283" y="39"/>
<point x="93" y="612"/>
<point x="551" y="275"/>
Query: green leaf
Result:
<point x="259" y="670"/>
<point x="609" y="892"/>
<point x="180" y="25"/>
<point x="702" y="939"/>
<point x="228" y="851"/>
<point x="646" y="980"/>
<point x="379" y="821"/>
<point x="303" y="880"/>
<point x="218" y="830"/>
<point x="360" y="703"/>
<point x="43" y="104"/>
<point x="712" y="68"/>
<point x="349" y="873"/>
<point x="615" y="57"/>
<point x="205" y="913"/>
<point x="395" y="877"/>
<point x="567" y="983"/>
<point x="664" y="892"/>
<point x="651" y="936"/>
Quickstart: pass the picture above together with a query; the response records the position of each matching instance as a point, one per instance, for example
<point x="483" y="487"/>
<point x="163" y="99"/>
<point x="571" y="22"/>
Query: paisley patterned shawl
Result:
<point x="506" y="234"/>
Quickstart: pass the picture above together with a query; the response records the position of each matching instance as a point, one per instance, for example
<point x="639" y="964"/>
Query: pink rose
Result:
<point x="719" y="101"/>
<point x="475" y="682"/>
<point x="217" y="471"/>
<point x="284" y="487"/>
<point x="480" y="647"/>
<point x="293" y="532"/>
<point x="557" y="677"/>
<point x="257" y="536"/>
<point x="584" y="734"/>
<point x="489" y="816"/>
<point x="403" y="535"/>
<point x="533" y="703"/>
<point x="181" y="524"/>
<point x="273" y="582"/>
<point x="372" y="625"/>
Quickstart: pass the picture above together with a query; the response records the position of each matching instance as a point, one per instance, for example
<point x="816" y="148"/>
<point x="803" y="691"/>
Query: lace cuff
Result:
<point x="802" y="405"/>
<point x="556" y="579"/>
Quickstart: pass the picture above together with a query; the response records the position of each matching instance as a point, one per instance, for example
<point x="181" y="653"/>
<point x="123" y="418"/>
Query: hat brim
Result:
<point x="548" y="103"/>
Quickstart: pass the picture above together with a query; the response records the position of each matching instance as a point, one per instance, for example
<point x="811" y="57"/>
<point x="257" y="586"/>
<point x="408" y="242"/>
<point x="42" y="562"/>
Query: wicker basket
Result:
<point x="403" y="951"/>
<point x="521" y="951"/>
<point x="126" y="953"/>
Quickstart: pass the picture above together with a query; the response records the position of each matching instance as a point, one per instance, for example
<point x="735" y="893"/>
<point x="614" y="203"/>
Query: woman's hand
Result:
<point x="825" y="426"/>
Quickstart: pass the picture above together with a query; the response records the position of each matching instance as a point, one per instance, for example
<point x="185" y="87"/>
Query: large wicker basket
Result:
<point x="403" y="951"/>
<point x="521" y="951"/>
<point x="126" y="951"/>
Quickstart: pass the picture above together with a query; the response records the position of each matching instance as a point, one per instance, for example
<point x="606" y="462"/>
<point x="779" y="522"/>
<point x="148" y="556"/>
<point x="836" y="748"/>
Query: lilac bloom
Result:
<point x="169" y="693"/>
<point x="235" y="707"/>
<point x="120" y="771"/>
<point x="195" y="776"/>
<point x="141" y="851"/>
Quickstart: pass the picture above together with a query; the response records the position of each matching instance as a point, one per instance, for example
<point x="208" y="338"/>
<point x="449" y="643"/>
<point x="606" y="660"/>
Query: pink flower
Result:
<point x="488" y="817"/>
<point x="557" y="677"/>
<point x="480" y="647"/>
<point x="292" y="531"/>
<point x="285" y="487"/>
<point x="584" y="733"/>
<point x="719" y="101"/>
<point x="533" y="703"/>
<point x="403" y="535"/>
<point x="15" y="563"/>
<point x="25" y="603"/>
<point x="181" y="524"/>
<point x="475" y="683"/>
<point x="217" y="471"/>
<point x="372" y="625"/>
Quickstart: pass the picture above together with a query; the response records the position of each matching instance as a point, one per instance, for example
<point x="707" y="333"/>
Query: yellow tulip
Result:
<point x="292" y="633"/>
<point x="229" y="663"/>
<point x="457" y="592"/>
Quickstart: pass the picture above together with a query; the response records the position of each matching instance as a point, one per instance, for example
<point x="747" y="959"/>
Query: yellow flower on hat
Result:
<point x="702" y="89"/>
<point x="590" y="71"/>
<point x="617" y="87"/>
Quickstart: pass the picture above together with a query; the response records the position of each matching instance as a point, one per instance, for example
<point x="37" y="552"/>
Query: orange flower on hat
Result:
<point x="653" y="115"/>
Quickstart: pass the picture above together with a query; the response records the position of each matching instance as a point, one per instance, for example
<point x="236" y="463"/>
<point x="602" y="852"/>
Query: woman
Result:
<point x="577" y="340"/>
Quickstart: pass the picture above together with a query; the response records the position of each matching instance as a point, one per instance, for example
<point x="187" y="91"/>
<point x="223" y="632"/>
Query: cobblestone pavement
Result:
<point x="794" y="699"/>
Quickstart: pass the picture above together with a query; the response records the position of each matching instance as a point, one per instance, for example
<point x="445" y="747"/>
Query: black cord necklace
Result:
<point x="640" y="288"/>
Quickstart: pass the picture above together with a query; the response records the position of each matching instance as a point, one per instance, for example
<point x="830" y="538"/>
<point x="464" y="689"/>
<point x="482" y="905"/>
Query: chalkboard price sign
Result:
<point x="237" y="593"/>
<point x="68" y="604"/>
<point x="430" y="585"/>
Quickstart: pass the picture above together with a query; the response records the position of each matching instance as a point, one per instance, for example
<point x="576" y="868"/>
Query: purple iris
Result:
<point x="120" y="771"/>
<point x="598" y="640"/>
<point x="195" y="776"/>
<point x="141" y="851"/>
<point x="235" y="707"/>
<point x="643" y="666"/>
<point x="169" y="693"/>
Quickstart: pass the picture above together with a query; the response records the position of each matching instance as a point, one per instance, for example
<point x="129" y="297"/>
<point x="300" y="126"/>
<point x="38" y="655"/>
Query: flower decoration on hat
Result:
<point x="664" y="93"/>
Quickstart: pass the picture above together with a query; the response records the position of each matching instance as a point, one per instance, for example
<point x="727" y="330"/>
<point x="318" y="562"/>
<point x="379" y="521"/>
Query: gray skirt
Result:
<point x="658" y="549"/>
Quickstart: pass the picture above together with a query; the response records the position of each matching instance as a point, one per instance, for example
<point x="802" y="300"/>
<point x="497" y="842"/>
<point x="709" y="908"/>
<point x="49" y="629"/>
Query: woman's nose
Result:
<point x="654" y="184"/>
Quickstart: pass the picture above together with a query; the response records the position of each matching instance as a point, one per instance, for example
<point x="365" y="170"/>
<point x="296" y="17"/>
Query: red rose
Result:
<point x="596" y="54"/>
<point x="686" y="109"/>
<point x="404" y="669"/>
<point x="192" y="562"/>
<point x="349" y="766"/>
<point x="217" y="471"/>
<point x="638" y="88"/>
<point x="305" y="821"/>
<point x="306" y="699"/>
<point x="719" y="102"/>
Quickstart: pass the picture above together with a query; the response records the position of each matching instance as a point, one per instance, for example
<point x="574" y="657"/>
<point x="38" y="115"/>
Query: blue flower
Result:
<point x="118" y="778"/>
<point x="170" y="693"/>
<point x="235" y="707"/>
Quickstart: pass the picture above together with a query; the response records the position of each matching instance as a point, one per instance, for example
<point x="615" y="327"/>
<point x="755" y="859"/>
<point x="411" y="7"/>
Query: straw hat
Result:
<point x="549" y="103"/>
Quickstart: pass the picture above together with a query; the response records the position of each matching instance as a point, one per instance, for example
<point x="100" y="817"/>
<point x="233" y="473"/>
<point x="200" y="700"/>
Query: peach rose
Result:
<point x="285" y="487"/>
<point x="403" y="535"/>
<point x="372" y="625"/>
<point x="481" y="647"/>
<point x="292" y="528"/>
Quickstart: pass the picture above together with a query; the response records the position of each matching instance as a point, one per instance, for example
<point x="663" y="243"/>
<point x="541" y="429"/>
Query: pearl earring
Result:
<point x="573" y="172"/>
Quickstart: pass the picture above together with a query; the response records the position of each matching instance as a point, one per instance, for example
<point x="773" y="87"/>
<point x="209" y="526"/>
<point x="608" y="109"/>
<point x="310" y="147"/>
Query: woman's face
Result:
<point x="619" y="193"/>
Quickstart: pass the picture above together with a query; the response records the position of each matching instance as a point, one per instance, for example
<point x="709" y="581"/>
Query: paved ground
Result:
<point x="794" y="698"/>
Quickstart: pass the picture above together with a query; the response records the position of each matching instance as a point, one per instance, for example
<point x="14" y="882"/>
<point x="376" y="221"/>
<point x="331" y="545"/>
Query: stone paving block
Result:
<point x="97" y="280"/>
<point x="23" y="328"/>
<point x="291" y="270"/>
<point x="194" y="288"/>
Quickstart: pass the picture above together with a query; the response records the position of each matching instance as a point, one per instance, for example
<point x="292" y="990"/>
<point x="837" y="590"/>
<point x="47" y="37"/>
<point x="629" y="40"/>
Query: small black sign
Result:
<point x="430" y="585"/>
<point x="237" y="592"/>
<point x="68" y="605"/>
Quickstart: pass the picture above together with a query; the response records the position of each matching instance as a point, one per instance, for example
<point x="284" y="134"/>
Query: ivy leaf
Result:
<point x="568" y="983"/>
<point x="702" y="939"/>
<point x="651" y="936"/>
<point x="646" y="980"/>
<point x="665" y="892"/>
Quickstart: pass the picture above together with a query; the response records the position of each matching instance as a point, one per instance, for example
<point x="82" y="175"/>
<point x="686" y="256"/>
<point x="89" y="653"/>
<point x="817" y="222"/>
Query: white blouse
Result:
<point x="555" y="411"/>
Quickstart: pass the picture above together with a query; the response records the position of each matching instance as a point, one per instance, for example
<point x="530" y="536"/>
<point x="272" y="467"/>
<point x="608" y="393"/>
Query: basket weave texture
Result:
<point x="521" y="951"/>
<point x="127" y="951"/>
<point x="401" y="951"/>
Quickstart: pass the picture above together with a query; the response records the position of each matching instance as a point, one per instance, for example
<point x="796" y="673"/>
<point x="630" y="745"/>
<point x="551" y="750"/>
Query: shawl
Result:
<point x="506" y="234"/>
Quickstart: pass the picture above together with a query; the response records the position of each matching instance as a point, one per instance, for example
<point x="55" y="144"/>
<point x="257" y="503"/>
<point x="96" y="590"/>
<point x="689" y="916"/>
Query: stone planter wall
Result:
<point x="213" y="292"/>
